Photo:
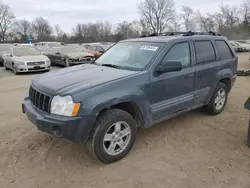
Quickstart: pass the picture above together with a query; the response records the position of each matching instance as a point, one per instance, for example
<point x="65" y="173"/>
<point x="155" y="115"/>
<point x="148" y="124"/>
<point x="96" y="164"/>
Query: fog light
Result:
<point x="57" y="131"/>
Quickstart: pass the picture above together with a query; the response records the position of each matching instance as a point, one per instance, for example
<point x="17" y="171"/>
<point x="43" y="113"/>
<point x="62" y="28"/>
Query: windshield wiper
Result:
<point x="110" y="65"/>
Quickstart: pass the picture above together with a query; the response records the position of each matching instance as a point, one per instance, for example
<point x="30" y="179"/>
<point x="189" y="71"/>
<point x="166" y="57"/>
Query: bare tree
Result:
<point x="23" y="28"/>
<point x="6" y="20"/>
<point x="187" y="16"/>
<point x="206" y="22"/>
<point x="157" y="13"/>
<point x="42" y="29"/>
<point x="245" y="12"/>
<point x="230" y="15"/>
<point x="126" y="30"/>
<point x="78" y="33"/>
<point x="58" y="31"/>
<point x="219" y="20"/>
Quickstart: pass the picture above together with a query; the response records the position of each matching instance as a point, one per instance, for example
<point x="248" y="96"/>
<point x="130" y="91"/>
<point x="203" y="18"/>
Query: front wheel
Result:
<point x="14" y="69"/>
<point x="113" y="137"/>
<point x="4" y="65"/>
<point x="218" y="100"/>
<point x="66" y="61"/>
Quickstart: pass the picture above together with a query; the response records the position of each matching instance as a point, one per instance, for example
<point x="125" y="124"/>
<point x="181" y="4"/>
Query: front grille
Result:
<point x="39" y="100"/>
<point x="36" y="68"/>
<point x="36" y="63"/>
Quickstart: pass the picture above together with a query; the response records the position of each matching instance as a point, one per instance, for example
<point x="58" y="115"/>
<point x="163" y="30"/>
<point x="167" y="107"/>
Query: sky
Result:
<point x="68" y="13"/>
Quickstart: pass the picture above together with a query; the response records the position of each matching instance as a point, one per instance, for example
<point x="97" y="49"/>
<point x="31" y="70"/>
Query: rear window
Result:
<point x="225" y="52"/>
<point x="204" y="51"/>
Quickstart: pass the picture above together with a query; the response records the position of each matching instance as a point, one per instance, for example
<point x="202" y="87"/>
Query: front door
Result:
<point x="173" y="92"/>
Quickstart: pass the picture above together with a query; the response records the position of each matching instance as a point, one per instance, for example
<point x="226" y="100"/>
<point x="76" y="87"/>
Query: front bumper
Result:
<point x="74" y="129"/>
<point x="32" y="68"/>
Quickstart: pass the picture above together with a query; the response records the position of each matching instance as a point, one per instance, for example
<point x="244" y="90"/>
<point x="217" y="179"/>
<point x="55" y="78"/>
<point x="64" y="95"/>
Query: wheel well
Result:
<point x="131" y="108"/>
<point x="227" y="81"/>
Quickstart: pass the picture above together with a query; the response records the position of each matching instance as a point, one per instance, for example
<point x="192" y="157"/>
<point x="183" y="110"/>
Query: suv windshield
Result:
<point x="130" y="55"/>
<point x="25" y="52"/>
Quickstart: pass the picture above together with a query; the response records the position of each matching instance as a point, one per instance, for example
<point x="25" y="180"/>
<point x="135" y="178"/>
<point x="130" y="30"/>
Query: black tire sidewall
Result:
<point x="14" y="69"/>
<point x="4" y="65"/>
<point x="101" y="130"/>
<point x="211" y="104"/>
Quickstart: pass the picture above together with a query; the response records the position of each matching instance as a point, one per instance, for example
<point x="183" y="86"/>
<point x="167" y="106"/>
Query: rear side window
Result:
<point x="225" y="52"/>
<point x="204" y="51"/>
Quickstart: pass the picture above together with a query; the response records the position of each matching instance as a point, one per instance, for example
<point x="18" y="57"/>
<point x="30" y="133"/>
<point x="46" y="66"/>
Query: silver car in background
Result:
<point x="25" y="59"/>
<point x="3" y="48"/>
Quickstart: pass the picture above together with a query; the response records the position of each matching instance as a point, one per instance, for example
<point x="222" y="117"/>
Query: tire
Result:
<point x="14" y="69"/>
<point x="217" y="102"/>
<point x="111" y="150"/>
<point x="66" y="62"/>
<point x="4" y="65"/>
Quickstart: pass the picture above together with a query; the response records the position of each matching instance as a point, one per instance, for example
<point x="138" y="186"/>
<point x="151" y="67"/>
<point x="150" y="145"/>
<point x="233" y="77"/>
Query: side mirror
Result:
<point x="169" y="66"/>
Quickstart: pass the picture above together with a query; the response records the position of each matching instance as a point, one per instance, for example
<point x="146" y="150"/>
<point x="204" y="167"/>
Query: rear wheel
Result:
<point x="218" y="100"/>
<point x="113" y="137"/>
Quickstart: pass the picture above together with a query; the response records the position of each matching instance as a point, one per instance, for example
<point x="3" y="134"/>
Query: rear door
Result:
<point x="228" y="59"/>
<point x="207" y="70"/>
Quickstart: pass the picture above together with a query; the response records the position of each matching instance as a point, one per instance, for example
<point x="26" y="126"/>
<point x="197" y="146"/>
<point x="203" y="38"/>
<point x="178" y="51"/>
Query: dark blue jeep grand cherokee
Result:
<point x="136" y="83"/>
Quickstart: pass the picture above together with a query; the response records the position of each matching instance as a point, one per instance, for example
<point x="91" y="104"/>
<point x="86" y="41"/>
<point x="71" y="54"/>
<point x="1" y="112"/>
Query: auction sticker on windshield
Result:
<point x="150" y="48"/>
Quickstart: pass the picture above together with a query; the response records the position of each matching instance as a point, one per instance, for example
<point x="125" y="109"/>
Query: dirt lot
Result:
<point x="192" y="151"/>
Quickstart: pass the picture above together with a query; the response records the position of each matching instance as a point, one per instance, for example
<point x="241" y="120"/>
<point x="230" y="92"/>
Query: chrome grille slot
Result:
<point x="39" y="100"/>
<point x="36" y="63"/>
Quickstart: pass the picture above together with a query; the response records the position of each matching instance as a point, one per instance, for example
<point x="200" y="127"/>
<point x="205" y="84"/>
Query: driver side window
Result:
<point x="179" y="52"/>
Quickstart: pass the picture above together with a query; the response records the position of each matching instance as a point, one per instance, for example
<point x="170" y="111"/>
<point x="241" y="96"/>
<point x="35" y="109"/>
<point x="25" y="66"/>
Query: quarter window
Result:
<point x="179" y="52"/>
<point x="204" y="51"/>
<point x="225" y="52"/>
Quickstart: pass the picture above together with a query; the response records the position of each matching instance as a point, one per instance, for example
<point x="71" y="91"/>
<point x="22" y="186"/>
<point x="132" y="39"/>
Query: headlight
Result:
<point x="47" y="62"/>
<point x="20" y="63"/>
<point x="64" y="106"/>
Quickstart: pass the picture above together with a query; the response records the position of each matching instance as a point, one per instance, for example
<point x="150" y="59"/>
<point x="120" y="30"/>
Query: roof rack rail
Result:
<point x="188" y="33"/>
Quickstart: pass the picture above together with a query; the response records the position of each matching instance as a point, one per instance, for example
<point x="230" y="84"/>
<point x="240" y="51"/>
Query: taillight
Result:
<point x="236" y="63"/>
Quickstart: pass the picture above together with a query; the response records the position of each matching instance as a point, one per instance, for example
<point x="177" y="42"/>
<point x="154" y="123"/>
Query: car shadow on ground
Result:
<point x="56" y="150"/>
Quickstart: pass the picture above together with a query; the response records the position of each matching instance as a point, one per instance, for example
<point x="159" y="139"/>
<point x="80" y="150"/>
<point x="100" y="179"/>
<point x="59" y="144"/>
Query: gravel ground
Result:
<point x="194" y="150"/>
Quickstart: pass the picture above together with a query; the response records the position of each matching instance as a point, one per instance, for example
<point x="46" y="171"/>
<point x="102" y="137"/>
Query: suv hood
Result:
<point x="77" y="78"/>
<point x="31" y="58"/>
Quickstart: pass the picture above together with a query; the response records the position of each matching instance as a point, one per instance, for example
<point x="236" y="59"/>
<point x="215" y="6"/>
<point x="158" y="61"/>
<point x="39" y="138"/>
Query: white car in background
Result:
<point x="243" y="43"/>
<point x="3" y="48"/>
<point x="25" y="59"/>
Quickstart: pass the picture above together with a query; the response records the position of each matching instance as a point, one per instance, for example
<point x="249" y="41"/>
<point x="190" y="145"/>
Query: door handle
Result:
<point x="189" y="76"/>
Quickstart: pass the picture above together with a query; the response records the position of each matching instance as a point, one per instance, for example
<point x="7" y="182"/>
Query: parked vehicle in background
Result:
<point x="237" y="47"/>
<point x="136" y="83"/>
<point x="88" y="45"/>
<point x="46" y="47"/>
<point x="244" y="44"/>
<point x="3" y="49"/>
<point x="97" y="49"/>
<point x="100" y="48"/>
<point x="70" y="55"/>
<point x="25" y="45"/>
<point x="23" y="59"/>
